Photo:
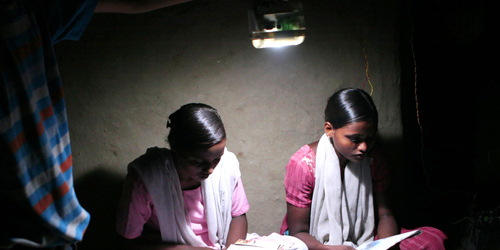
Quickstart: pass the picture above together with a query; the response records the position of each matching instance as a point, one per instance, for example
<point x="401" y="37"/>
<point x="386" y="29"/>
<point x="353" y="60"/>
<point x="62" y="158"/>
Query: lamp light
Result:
<point x="276" y="23"/>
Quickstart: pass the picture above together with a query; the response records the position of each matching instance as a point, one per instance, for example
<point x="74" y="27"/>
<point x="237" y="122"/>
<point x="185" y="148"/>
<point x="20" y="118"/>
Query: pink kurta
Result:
<point x="300" y="178"/>
<point x="136" y="210"/>
<point x="299" y="187"/>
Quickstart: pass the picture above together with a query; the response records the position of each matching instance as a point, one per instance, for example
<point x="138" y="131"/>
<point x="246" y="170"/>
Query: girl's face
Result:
<point x="353" y="141"/>
<point x="197" y="165"/>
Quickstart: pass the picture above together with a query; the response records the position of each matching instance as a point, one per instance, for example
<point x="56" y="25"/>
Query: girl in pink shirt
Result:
<point x="190" y="195"/>
<point x="335" y="187"/>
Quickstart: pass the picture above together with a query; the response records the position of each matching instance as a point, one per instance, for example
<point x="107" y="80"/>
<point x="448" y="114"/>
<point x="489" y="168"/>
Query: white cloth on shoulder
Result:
<point x="341" y="214"/>
<point x="157" y="171"/>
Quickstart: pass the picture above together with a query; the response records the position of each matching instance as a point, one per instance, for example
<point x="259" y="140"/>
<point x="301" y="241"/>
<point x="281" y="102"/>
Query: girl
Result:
<point x="335" y="187"/>
<point x="188" y="196"/>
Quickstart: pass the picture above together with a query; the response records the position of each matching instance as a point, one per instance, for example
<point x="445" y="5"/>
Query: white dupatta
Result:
<point x="341" y="214"/>
<point x="160" y="177"/>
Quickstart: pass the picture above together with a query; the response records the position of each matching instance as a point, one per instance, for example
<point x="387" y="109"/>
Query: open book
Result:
<point x="386" y="243"/>
<point x="273" y="241"/>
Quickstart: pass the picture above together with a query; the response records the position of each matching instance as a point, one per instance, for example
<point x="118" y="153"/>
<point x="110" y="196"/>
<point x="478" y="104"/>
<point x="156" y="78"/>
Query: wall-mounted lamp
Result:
<point x="276" y="23"/>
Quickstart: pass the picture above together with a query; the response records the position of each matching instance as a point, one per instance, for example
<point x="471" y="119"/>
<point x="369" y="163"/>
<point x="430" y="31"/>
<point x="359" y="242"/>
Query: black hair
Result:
<point x="350" y="105"/>
<point x="195" y="126"/>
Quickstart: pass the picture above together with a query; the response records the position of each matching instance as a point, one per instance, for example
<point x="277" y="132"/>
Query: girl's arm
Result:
<point x="387" y="225"/>
<point x="298" y="226"/>
<point x="237" y="229"/>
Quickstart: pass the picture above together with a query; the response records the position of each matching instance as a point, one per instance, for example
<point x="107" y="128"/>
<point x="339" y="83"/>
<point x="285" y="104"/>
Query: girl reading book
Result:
<point x="336" y="187"/>
<point x="188" y="196"/>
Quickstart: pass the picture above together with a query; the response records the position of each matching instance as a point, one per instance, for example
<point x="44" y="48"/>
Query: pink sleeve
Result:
<point x="299" y="177"/>
<point x="240" y="203"/>
<point x="134" y="208"/>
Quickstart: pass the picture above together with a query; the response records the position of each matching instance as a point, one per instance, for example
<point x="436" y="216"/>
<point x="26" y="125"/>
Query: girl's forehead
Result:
<point x="361" y="127"/>
<point x="213" y="152"/>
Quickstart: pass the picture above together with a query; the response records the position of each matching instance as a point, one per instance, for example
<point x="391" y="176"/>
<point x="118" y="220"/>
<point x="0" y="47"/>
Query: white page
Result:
<point x="386" y="243"/>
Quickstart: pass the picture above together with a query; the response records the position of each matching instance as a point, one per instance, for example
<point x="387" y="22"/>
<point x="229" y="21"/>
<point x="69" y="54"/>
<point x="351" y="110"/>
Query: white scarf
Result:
<point x="341" y="214"/>
<point x="160" y="177"/>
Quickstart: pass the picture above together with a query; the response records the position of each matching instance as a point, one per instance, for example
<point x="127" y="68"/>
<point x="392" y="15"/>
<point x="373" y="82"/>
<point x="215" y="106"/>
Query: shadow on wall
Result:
<point x="99" y="192"/>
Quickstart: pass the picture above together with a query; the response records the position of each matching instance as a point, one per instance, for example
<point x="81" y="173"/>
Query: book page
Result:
<point x="273" y="241"/>
<point x="386" y="243"/>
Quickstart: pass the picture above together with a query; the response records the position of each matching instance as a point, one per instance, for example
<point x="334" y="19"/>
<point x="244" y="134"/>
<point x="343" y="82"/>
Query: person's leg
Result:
<point x="430" y="239"/>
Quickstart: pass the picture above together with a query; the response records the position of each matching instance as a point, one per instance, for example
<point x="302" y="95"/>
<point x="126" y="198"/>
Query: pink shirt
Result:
<point x="300" y="178"/>
<point x="136" y="209"/>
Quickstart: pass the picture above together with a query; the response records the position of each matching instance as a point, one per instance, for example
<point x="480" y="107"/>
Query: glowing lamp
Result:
<point x="276" y="23"/>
